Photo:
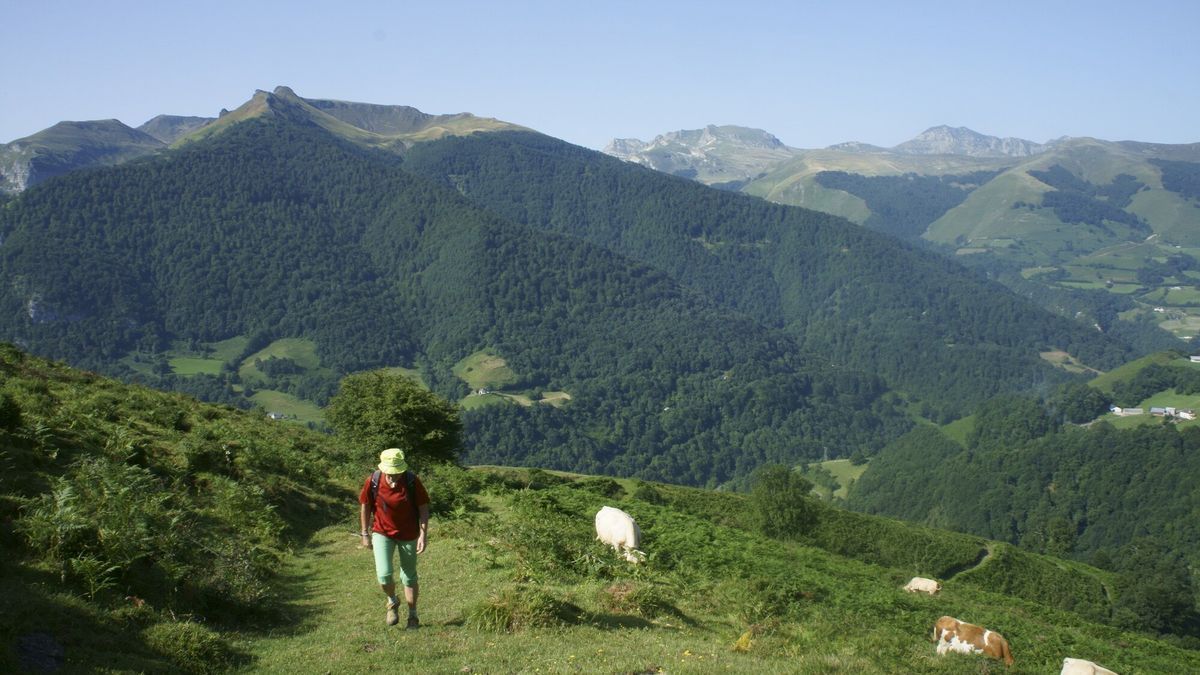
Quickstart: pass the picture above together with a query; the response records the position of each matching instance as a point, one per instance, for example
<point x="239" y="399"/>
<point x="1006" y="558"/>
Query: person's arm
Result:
<point x="364" y="521"/>
<point x="423" y="523"/>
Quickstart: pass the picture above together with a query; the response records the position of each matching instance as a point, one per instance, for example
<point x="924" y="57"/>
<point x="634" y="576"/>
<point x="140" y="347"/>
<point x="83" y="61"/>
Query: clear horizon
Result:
<point x="812" y="75"/>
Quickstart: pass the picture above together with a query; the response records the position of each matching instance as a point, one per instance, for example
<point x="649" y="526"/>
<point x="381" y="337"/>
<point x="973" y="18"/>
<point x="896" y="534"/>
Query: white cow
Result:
<point x="617" y="529"/>
<point x="1082" y="667"/>
<point x="923" y="585"/>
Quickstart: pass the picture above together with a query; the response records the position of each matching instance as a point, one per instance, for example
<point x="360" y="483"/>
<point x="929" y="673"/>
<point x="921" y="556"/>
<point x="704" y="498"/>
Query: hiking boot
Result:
<point x="413" y="623"/>
<point x="393" y="613"/>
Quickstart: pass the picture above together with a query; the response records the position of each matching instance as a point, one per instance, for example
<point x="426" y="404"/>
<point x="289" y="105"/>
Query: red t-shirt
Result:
<point x="397" y="521"/>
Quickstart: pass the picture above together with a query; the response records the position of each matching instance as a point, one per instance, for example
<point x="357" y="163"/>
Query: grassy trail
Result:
<point x="337" y="620"/>
<point x="339" y="624"/>
<point x="843" y="616"/>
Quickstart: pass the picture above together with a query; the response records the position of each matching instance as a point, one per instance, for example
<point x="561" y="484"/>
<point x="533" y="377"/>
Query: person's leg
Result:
<point x="408" y="576"/>
<point x="383" y="548"/>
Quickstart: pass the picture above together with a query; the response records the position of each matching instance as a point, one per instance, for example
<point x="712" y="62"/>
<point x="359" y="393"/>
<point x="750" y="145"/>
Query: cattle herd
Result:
<point x="617" y="528"/>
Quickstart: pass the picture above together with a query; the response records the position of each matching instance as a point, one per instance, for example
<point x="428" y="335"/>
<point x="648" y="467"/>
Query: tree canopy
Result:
<point x="376" y="410"/>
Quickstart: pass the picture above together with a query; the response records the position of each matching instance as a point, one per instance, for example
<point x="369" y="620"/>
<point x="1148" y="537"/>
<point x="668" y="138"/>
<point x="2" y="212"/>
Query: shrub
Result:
<point x="605" y="487"/>
<point x="191" y="646"/>
<point x="452" y="490"/>
<point x="642" y="599"/>
<point x="647" y="493"/>
<point x="519" y="607"/>
<point x="780" y="503"/>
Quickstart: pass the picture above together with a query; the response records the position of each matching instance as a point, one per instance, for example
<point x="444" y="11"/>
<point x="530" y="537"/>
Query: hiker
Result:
<point x="394" y="514"/>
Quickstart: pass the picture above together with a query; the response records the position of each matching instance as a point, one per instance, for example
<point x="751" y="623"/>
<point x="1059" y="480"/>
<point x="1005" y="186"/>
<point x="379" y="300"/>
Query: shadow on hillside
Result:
<point x="45" y="629"/>
<point x="619" y="621"/>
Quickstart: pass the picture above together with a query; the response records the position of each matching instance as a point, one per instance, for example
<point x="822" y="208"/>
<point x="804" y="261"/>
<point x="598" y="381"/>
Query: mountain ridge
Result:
<point x="68" y="146"/>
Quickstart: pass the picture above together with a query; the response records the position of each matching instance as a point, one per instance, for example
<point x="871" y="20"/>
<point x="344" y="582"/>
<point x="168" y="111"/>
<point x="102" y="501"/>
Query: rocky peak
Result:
<point x="946" y="140"/>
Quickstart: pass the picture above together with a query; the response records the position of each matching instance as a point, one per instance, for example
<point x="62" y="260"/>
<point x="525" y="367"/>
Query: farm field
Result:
<point x="294" y="408"/>
<point x="844" y="472"/>
<point x="484" y="370"/>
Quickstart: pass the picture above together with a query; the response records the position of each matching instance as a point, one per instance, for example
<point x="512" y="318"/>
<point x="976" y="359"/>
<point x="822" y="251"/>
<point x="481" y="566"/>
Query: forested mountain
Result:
<point x="697" y="333"/>
<point x="854" y="297"/>
<point x="275" y="228"/>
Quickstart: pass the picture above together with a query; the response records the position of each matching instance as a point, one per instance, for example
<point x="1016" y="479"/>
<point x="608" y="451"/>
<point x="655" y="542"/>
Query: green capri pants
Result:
<point x="383" y="547"/>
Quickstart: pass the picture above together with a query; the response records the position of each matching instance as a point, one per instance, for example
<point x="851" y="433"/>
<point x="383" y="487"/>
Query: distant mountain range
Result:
<point x="1048" y="218"/>
<point x="733" y="154"/>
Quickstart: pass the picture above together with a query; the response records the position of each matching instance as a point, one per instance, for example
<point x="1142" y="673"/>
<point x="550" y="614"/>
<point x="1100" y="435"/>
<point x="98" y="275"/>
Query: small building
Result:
<point x="1194" y="359"/>
<point x="1158" y="411"/>
<point x="1125" y="412"/>
<point x="276" y="416"/>
<point x="1186" y="414"/>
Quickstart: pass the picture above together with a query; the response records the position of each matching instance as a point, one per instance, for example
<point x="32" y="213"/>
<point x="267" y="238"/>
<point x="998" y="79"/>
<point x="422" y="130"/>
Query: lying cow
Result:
<point x="617" y="529"/>
<point x="1082" y="667"/>
<point x="923" y="585"/>
<point x="953" y="635"/>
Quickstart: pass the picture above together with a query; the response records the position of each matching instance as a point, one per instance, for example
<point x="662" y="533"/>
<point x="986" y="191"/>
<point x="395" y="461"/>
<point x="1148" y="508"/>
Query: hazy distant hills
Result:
<point x="1066" y="215"/>
<point x="944" y="140"/>
<point x="712" y="155"/>
<point x="721" y="155"/>
<point x="67" y="146"/>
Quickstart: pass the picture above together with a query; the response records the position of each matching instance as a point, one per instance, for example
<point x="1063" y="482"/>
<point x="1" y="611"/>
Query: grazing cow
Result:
<point x="617" y="529"/>
<point x="923" y="585"/>
<point x="953" y="635"/>
<point x="1082" y="667"/>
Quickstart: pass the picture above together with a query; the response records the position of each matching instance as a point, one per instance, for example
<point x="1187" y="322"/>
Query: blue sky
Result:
<point x="812" y="73"/>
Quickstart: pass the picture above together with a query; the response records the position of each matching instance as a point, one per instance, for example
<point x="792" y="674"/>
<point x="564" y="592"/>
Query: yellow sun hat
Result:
<point x="391" y="461"/>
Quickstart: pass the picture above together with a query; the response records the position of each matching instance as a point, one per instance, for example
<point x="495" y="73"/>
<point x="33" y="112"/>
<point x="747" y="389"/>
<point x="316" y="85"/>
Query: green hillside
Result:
<point x="1121" y="497"/>
<point x="338" y="250"/>
<point x="222" y="543"/>
<point x="852" y="296"/>
<point x="1127" y="209"/>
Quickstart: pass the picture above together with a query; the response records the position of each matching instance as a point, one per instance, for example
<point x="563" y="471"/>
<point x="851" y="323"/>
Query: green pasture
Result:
<point x="1174" y="217"/>
<point x="295" y="408"/>
<point x="1185" y="325"/>
<point x="959" y="429"/>
<point x="411" y="373"/>
<point x="844" y="472"/>
<point x="301" y="350"/>
<point x="191" y="365"/>
<point x="474" y="401"/>
<point x="228" y="350"/>
<point x="1127" y="371"/>
<point x="1065" y="361"/>
<point x="484" y="370"/>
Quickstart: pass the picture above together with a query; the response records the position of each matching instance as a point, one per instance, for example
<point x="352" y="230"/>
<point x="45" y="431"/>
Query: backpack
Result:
<point x="410" y="481"/>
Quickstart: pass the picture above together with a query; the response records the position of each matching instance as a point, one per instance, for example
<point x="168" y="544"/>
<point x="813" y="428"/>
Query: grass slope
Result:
<point x="520" y="586"/>
<point x="513" y="580"/>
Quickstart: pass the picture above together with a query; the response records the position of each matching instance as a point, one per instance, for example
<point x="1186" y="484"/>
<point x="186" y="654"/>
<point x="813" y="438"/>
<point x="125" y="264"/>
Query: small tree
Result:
<point x="378" y="409"/>
<point x="781" y="504"/>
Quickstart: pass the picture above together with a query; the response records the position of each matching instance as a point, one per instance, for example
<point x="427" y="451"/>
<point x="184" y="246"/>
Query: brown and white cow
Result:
<point x="1083" y="667"/>
<point x="923" y="585"/>
<point x="953" y="635"/>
